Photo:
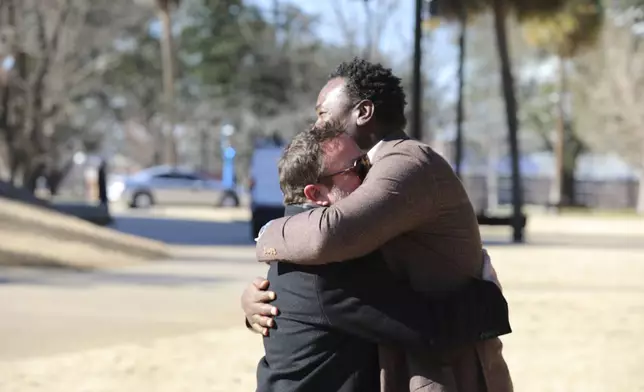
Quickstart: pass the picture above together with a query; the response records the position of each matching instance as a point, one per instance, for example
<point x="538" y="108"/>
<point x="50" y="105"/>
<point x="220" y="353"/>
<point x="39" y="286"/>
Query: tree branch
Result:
<point x="348" y="32"/>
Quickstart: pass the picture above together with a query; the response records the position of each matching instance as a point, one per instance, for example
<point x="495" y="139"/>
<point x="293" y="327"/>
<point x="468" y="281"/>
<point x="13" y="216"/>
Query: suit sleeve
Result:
<point x="395" y="198"/>
<point x="362" y="298"/>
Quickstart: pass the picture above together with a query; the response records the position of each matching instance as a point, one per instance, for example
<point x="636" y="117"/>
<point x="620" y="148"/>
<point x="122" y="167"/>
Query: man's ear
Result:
<point x="316" y="195"/>
<point x="366" y="110"/>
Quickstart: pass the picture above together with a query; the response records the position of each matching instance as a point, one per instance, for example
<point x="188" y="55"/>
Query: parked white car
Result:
<point x="166" y="185"/>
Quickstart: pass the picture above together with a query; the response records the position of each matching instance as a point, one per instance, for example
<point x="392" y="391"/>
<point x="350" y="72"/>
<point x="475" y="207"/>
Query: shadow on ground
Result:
<point x="186" y="232"/>
<point x="75" y="279"/>
<point x="569" y="240"/>
<point x="212" y="233"/>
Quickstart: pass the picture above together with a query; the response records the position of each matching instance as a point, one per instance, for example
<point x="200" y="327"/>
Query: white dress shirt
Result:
<point x="373" y="151"/>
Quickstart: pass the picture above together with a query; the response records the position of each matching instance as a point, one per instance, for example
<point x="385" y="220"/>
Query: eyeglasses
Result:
<point x="360" y="167"/>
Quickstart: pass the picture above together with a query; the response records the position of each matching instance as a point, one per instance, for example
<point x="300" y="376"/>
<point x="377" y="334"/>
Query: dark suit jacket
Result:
<point x="333" y="315"/>
<point x="415" y="210"/>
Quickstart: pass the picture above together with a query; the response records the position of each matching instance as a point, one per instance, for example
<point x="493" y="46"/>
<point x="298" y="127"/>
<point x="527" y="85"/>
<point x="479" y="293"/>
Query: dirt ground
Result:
<point x="40" y="237"/>
<point x="577" y="314"/>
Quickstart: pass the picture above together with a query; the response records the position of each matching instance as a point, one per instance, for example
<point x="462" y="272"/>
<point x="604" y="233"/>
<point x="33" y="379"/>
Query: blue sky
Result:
<point x="400" y="25"/>
<point x="397" y="39"/>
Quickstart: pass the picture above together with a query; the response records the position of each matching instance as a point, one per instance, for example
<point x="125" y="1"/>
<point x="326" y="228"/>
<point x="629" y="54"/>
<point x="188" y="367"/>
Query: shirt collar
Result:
<point x="372" y="153"/>
<point x="293" y="209"/>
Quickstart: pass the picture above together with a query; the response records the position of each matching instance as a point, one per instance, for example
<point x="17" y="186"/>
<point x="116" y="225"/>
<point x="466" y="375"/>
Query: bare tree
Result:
<point x="566" y="34"/>
<point x="60" y="49"/>
<point x="615" y="97"/>
<point x="168" y="61"/>
<point x="377" y="14"/>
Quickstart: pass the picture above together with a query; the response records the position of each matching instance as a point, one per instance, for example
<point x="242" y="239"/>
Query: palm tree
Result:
<point x="461" y="11"/>
<point x="565" y="35"/>
<point x="167" y="52"/>
<point x="523" y="9"/>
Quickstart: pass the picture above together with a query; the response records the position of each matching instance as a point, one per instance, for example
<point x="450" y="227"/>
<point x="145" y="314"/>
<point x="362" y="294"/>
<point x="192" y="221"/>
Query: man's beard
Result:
<point x="338" y="194"/>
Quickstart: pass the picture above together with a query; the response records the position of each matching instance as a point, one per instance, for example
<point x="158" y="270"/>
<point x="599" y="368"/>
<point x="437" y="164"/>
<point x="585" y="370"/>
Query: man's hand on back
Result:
<point x="255" y="303"/>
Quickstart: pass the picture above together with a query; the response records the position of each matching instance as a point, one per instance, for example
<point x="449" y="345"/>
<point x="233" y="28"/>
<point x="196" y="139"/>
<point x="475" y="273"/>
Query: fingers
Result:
<point x="253" y="295"/>
<point x="261" y="283"/>
<point x="259" y="329"/>
<point x="264" y="296"/>
<point x="262" y="321"/>
<point x="259" y="292"/>
<point x="261" y="309"/>
<point x="255" y="301"/>
<point x="261" y="324"/>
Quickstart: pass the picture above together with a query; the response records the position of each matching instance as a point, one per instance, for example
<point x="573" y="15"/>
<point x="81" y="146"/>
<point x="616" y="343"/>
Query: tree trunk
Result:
<point x="159" y="144"/>
<point x="55" y="177"/>
<point x="417" y="95"/>
<point x="512" y="120"/>
<point x="31" y="175"/>
<point x="4" y="166"/>
<point x="567" y="146"/>
<point x="53" y="183"/>
<point x="492" y="179"/>
<point x="568" y="182"/>
<point x="14" y="168"/>
<point x="462" y="43"/>
<point x="556" y="193"/>
<point x="157" y="157"/>
<point x="168" y="82"/>
<point x="640" y="194"/>
<point x="206" y="150"/>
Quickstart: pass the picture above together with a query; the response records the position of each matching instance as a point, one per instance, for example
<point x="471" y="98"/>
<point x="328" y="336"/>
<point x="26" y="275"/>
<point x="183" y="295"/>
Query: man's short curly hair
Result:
<point x="365" y="80"/>
<point x="302" y="162"/>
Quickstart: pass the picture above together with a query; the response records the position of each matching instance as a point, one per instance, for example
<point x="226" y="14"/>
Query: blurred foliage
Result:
<point x="574" y="27"/>
<point x="260" y="69"/>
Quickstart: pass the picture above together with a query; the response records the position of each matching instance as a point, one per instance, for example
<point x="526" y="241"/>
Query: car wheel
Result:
<point x="229" y="200"/>
<point x="142" y="200"/>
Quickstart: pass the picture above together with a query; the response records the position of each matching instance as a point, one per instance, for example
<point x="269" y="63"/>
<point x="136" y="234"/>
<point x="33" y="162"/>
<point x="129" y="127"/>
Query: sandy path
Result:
<point x="578" y="317"/>
<point x="221" y="361"/>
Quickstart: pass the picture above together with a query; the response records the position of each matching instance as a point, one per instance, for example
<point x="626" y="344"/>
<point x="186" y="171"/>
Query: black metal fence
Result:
<point x="606" y="194"/>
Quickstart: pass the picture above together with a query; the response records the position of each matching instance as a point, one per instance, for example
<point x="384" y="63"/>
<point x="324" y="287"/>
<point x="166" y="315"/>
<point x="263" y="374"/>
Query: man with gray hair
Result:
<point x="333" y="316"/>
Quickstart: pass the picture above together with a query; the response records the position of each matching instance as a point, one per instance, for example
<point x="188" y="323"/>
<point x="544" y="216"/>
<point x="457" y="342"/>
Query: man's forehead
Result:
<point x="341" y="147"/>
<point x="333" y="90"/>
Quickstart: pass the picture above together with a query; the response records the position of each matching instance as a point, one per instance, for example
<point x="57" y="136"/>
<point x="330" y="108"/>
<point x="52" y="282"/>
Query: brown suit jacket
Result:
<point x="414" y="208"/>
